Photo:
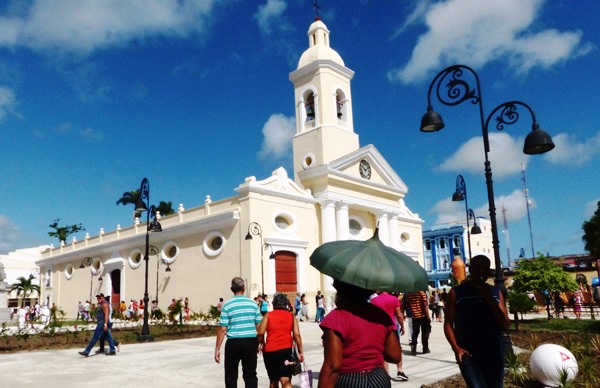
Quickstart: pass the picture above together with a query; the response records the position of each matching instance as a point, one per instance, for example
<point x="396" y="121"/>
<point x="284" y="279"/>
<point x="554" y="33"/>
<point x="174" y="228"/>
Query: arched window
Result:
<point x="309" y="105"/>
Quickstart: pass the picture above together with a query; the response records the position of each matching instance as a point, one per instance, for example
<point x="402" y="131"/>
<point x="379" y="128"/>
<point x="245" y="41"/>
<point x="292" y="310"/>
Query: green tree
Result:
<point x="62" y="232"/>
<point x="25" y="287"/>
<point x="130" y="198"/>
<point x="519" y="303"/>
<point x="543" y="276"/>
<point x="165" y="208"/>
<point x="591" y="234"/>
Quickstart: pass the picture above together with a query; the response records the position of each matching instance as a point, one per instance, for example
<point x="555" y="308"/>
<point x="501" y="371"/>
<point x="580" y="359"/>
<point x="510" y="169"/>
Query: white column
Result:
<point x="342" y="221"/>
<point x="328" y="222"/>
<point x="394" y="235"/>
<point x="384" y="234"/>
<point x="328" y="233"/>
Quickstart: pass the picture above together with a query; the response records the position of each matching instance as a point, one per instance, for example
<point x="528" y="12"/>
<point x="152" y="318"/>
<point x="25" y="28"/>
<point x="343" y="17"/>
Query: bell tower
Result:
<point x="323" y="101"/>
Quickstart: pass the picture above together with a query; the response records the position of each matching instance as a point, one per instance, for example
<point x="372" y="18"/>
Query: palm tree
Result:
<point x="25" y="286"/>
<point x="128" y="198"/>
<point x="165" y="208"/>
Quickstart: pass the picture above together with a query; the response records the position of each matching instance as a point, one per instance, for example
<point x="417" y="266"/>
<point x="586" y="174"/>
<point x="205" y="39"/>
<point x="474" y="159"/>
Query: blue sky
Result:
<point x="195" y="95"/>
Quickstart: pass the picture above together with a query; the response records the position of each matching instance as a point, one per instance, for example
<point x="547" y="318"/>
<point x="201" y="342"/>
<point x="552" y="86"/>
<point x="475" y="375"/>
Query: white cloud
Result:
<point x="89" y="134"/>
<point x="515" y="204"/>
<point x="82" y="26"/>
<point x="8" y="102"/>
<point x="278" y="132"/>
<point x="505" y="156"/>
<point x="590" y="208"/>
<point x="484" y="31"/>
<point x="269" y="16"/>
<point x="9" y="234"/>
<point x="569" y="152"/>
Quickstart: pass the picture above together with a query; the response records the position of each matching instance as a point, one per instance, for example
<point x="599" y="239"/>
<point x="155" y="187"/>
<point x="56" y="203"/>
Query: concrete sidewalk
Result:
<point x="190" y="363"/>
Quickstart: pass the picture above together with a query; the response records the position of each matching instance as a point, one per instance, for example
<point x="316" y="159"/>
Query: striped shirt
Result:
<point x="240" y="315"/>
<point x="417" y="302"/>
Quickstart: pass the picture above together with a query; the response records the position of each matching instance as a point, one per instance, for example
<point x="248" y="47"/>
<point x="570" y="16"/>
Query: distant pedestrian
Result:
<point x="476" y="316"/>
<point x="220" y="305"/>
<point x="421" y="321"/>
<point x="238" y="321"/>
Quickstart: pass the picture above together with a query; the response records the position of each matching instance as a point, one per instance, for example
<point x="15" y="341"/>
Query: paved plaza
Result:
<point x="190" y="363"/>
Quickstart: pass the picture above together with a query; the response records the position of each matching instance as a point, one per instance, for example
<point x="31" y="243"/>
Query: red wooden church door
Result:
<point x="285" y="272"/>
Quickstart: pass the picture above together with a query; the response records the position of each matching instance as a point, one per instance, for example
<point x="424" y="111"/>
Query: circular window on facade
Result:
<point x="308" y="161"/>
<point x="97" y="266"/>
<point x="69" y="271"/>
<point x="405" y="238"/>
<point x="355" y="227"/>
<point x="135" y="258"/>
<point x="284" y="223"/>
<point x="213" y="243"/>
<point x="169" y="252"/>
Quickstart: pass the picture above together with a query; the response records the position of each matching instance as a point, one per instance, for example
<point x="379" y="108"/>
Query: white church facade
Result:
<point x="337" y="191"/>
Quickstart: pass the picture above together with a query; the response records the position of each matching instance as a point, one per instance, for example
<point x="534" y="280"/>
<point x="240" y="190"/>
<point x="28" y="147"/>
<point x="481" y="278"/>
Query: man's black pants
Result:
<point x="236" y="350"/>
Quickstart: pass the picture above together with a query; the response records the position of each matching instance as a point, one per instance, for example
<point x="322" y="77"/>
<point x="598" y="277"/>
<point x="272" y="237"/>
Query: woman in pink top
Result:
<point x="279" y="325"/>
<point x="357" y="338"/>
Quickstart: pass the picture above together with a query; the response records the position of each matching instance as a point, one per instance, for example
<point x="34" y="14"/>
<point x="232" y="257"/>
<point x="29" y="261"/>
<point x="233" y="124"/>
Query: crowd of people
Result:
<point x="26" y="316"/>
<point x="362" y="330"/>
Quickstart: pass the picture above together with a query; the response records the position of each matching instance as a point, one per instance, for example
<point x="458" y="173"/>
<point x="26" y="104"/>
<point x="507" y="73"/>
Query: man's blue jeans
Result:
<point x="97" y="334"/>
<point x="478" y="376"/>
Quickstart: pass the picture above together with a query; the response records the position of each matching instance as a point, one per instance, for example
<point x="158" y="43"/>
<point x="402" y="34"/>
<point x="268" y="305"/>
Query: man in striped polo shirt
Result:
<point x="239" y="317"/>
<point x="421" y="321"/>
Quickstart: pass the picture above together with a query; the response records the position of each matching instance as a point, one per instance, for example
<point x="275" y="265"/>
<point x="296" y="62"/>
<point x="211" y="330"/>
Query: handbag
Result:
<point x="305" y="377"/>
<point x="294" y="362"/>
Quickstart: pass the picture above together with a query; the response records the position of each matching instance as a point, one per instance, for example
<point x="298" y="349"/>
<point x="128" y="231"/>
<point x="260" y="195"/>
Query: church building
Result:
<point x="267" y="232"/>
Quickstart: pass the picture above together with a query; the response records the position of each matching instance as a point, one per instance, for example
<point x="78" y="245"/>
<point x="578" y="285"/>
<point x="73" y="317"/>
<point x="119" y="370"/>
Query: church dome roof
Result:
<point x="318" y="39"/>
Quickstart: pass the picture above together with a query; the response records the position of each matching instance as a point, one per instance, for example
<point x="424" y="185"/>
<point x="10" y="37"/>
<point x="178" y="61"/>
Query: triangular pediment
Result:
<point x="278" y="184"/>
<point x="380" y="173"/>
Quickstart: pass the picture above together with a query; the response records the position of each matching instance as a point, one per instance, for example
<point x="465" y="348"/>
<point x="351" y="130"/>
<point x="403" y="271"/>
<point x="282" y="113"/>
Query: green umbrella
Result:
<point x="370" y="265"/>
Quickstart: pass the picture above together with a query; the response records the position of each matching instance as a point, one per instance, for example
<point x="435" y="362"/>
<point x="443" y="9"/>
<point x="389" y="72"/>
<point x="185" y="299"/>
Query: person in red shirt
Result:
<point x="391" y="305"/>
<point x="280" y="327"/>
<point x="357" y="338"/>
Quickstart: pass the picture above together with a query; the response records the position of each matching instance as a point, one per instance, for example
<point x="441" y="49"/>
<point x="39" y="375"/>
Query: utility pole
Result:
<point x="506" y="237"/>
<point x="528" y="202"/>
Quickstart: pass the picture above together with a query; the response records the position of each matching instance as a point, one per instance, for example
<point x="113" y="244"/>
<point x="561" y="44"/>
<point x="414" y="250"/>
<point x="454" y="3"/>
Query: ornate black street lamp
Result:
<point x="461" y="195"/>
<point x="459" y="91"/>
<point x="143" y="205"/>
<point x="88" y="262"/>
<point x="254" y="229"/>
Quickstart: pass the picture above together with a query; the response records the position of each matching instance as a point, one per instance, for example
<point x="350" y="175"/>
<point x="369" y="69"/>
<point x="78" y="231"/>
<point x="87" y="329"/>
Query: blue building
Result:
<point x="445" y="241"/>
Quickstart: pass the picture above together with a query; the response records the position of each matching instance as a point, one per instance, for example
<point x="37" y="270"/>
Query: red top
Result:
<point x="279" y="330"/>
<point x="388" y="303"/>
<point x="363" y="330"/>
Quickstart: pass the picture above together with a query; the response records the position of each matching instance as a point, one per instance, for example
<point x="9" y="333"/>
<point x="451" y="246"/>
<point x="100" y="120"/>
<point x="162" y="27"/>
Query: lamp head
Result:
<point x="475" y="229"/>
<point x="155" y="226"/>
<point x="431" y="121"/>
<point x="248" y="236"/>
<point x="458" y="196"/>
<point x="168" y="268"/>
<point x="537" y="141"/>
<point x="140" y="205"/>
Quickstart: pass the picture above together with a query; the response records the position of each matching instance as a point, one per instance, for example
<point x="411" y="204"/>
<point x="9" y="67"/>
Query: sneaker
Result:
<point x="425" y="351"/>
<point x="111" y="353"/>
<point x="402" y="377"/>
<point x="84" y="354"/>
<point x="99" y="351"/>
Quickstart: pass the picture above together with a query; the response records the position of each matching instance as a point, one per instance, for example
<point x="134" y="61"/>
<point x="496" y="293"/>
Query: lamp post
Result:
<point x="155" y="252"/>
<point x="459" y="91"/>
<point x="461" y="195"/>
<point x="88" y="262"/>
<point x="143" y="204"/>
<point x="254" y="229"/>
